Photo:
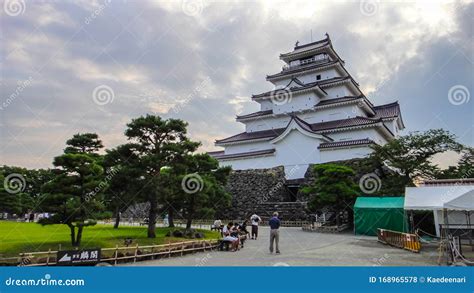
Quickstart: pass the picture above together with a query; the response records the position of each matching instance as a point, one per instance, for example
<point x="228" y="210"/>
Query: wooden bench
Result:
<point x="224" y="245"/>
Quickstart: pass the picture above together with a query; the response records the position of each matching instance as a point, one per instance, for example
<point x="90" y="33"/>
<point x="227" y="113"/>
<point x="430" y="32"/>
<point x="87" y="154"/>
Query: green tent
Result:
<point x="371" y="213"/>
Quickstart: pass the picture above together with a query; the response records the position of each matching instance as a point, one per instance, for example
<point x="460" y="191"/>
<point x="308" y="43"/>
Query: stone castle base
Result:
<point x="263" y="192"/>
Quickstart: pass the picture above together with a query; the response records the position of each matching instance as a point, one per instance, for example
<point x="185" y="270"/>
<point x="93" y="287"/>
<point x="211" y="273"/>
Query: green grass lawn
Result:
<point x="16" y="237"/>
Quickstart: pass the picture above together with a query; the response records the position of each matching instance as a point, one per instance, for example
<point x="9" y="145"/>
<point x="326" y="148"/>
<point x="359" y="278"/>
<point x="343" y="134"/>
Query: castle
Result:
<point x="315" y="114"/>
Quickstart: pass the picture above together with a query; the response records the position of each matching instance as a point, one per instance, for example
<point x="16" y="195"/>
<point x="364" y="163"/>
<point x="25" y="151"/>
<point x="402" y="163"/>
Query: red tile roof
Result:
<point x="338" y="100"/>
<point x="315" y="127"/>
<point x="271" y="133"/>
<point x="255" y="114"/>
<point x="448" y="182"/>
<point x="215" y="153"/>
<point x="221" y="155"/>
<point x="387" y="110"/>
<point x="345" y="143"/>
<point x="307" y="86"/>
<point x="382" y="111"/>
<point x="300" y="68"/>
<point x="320" y="43"/>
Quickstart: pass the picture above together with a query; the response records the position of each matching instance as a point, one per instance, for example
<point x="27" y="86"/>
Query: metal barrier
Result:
<point x="399" y="239"/>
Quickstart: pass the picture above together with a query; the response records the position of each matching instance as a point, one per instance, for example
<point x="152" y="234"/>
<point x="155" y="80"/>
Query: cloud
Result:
<point x="155" y="56"/>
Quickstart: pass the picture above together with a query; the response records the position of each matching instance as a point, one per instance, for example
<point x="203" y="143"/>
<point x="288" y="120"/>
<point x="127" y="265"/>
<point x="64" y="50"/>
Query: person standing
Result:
<point x="274" y="224"/>
<point x="255" y="220"/>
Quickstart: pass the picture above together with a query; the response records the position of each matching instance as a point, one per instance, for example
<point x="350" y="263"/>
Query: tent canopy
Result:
<point x="464" y="202"/>
<point x="371" y="213"/>
<point x="379" y="202"/>
<point x="433" y="197"/>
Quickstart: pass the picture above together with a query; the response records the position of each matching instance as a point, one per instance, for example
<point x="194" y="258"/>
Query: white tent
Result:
<point x="435" y="198"/>
<point x="464" y="202"/>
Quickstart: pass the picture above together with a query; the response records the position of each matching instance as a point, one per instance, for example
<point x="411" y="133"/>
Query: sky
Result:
<point x="91" y="66"/>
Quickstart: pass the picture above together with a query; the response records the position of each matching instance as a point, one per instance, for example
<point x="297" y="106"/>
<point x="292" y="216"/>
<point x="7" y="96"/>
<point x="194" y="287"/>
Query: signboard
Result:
<point x="78" y="257"/>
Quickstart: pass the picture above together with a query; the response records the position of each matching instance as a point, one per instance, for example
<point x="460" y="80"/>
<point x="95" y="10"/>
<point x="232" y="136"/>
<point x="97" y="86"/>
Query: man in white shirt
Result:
<point x="217" y="225"/>
<point x="255" y="220"/>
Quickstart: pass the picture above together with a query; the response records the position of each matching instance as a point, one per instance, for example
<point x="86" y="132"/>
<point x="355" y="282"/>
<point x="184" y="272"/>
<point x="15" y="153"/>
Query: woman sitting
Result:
<point x="227" y="233"/>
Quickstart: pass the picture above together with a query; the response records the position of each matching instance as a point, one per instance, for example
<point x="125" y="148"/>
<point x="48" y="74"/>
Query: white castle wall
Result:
<point x="295" y="152"/>
<point x="393" y="126"/>
<point x="266" y="105"/>
<point x="296" y="103"/>
<point x="370" y="133"/>
<point x="344" y="154"/>
<point x="308" y="77"/>
<point x="248" y="147"/>
<point x="320" y="115"/>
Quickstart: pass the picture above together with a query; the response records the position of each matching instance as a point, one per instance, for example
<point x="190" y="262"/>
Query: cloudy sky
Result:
<point x="92" y="66"/>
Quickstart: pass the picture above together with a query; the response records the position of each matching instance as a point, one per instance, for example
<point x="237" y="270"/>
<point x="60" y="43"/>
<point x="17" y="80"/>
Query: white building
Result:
<point x="316" y="114"/>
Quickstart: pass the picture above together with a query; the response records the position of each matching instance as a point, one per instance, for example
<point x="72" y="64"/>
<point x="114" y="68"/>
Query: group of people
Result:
<point x="235" y="232"/>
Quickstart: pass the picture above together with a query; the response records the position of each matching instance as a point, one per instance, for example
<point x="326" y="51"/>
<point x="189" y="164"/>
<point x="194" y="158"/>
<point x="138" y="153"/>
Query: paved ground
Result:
<point x="299" y="248"/>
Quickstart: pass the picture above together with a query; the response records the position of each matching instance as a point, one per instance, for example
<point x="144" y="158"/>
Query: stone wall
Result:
<point x="261" y="191"/>
<point x="264" y="191"/>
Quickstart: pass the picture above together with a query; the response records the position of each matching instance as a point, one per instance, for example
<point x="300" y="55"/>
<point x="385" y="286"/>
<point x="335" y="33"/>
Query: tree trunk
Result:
<point x="171" y="217"/>
<point x="189" y="221"/>
<point x="190" y="214"/>
<point x="79" y="235"/>
<point x="117" y="218"/>
<point x="152" y="219"/>
<point x="73" y="233"/>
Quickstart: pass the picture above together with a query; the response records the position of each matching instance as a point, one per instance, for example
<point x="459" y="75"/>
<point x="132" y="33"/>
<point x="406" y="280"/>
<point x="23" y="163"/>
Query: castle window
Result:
<point x="306" y="60"/>
<point x="318" y="77"/>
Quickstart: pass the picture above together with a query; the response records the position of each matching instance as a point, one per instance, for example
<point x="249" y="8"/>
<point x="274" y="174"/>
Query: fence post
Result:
<point x="182" y="249"/>
<point x="136" y="251"/>
<point x="169" y="248"/>
<point x="47" y="258"/>
<point x="116" y="253"/>
<point x="152" y="253"/>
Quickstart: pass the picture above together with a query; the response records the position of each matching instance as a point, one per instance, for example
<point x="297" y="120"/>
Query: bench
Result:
<point x="224" y="245"/>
